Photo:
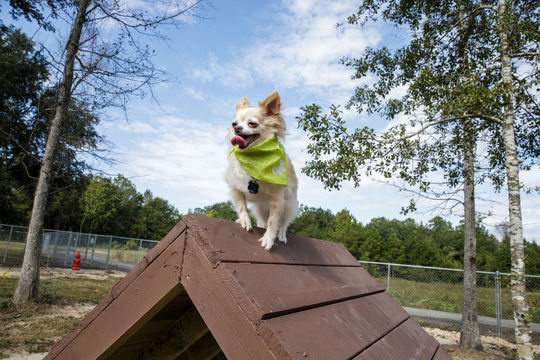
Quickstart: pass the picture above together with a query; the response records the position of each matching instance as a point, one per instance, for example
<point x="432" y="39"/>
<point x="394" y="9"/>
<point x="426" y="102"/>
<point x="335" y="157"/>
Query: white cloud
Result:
<point x="138" y="127"/>
<point x="195" y="94"/>
<point x="184" y="160"/>
<point x="300" y="51"/>
<point x="181" y="157"/>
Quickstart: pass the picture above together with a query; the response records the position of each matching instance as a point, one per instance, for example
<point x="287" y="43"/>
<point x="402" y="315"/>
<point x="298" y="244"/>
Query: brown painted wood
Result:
<point x="156" y="327"/>
<point x="441" y="355"/>
<point x="132" y="308"/>
<point x="61" y="345"/>
<point x="235" y="334"/>
<point x="407" y="342"/>
<point x="206" y="348"/>
<point x="227" y="241"/>
<point x="219" y="356"/>
<point x="308" y="299"/>
<point x="337" y="331"/>
<point x="278" y="288"/>
<point x="117" y="289"/>
<point x="185" y="331"/>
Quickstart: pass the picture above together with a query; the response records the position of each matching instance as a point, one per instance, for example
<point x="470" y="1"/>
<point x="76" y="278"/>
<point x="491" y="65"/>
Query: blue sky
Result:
<point x="177" y="149"/>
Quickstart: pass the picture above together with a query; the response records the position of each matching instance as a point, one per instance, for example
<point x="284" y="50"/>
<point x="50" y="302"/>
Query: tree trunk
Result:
<point x="517" y="281"/>
<point x="28" y="284"/>
<point x="470" y="332"/>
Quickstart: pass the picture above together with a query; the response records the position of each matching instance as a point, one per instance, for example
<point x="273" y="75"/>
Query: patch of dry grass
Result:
<point x="61" y="304"/>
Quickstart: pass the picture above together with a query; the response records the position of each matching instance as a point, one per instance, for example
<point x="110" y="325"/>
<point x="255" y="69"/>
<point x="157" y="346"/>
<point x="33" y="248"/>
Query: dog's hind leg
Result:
<point x="262" y="212"/>
<point x="289" y="214"/>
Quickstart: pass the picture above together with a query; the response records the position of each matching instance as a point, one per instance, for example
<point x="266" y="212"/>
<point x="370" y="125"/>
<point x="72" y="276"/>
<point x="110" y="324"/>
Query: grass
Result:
<point x="449" y="297"/>
<point x="39" y="324"/>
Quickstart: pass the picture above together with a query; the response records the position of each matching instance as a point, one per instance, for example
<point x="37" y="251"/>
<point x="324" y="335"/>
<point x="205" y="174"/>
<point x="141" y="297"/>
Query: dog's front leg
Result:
<point x="276" y="211"/>
<point x="241" y="209"/>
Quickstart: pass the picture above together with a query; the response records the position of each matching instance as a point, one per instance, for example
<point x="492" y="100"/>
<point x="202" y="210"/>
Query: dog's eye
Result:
<point x="234" y="123"/>
<point x="253" y="124"/>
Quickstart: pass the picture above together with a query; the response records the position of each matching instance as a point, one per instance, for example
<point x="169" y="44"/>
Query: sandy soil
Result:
<point x="47" y="273"/>
<point x="494" y="348"/>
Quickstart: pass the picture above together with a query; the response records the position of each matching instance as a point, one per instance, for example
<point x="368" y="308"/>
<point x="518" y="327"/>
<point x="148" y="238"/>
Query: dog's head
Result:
<point x="253" y="125"/>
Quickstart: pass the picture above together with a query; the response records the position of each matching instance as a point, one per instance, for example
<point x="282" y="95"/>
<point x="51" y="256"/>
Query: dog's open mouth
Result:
<point x="244" y="141"/>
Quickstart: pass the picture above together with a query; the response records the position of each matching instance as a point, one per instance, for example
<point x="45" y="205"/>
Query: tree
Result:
<point x="33" y="10"/>
<point x="453" y="98"/>
<point x="345" y="230"/>
<point x="312" y="222"/>
<point x="158" y="217"/>
<point x="23" y="71"/>
<point x="26" y="111"/>
<point x="97" y="68"/>
<point x="516" y="24"/>
<point x="222" y="210"/>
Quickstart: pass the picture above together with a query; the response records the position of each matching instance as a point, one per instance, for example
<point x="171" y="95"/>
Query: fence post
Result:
<point x="7" y="245"/>
<point x="388" y="279"/>
<point x="498" y="303"/>
<point x="108" y="253"/>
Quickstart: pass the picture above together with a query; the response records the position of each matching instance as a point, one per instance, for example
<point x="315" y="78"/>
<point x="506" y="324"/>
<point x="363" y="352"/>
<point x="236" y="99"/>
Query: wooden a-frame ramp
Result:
<point x="208" y="290"/>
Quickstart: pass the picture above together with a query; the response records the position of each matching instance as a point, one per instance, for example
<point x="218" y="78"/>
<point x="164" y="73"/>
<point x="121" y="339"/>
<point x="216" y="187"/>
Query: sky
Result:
<point x="176" y="147"/>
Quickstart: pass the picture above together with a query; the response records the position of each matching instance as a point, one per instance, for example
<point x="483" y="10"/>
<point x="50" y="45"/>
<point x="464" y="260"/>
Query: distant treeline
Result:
<point x="437" y="243"/>
<point x="102" y="205"/>
<point x="95" y="204"/>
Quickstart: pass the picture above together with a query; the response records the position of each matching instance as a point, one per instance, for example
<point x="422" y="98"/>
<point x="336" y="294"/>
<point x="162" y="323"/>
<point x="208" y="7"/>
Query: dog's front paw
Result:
<point x="267" y="241"/>
<point x="244" y="221"/>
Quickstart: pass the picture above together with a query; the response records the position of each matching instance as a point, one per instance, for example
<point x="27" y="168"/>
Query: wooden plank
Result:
<point x="66" y="340"/>
<point x="120" y="286"/>
<point x="189" y="328"/>
<point x="275" y="289"/>
<point x="227" y="241"/>
<point x="205" y="348"/>
<point x="150" y="330"/>
<point x="146" y="295"/>
<point x="175" y="232"/>
<point x="219" y="356"/>
<point x="238" y="338"/>
<point x="175" y="308"/>
<point x="161" y="322"/>
<point x="441" y="354"/>
<point x="407" y="342"/>
<point x="338" y="331"/>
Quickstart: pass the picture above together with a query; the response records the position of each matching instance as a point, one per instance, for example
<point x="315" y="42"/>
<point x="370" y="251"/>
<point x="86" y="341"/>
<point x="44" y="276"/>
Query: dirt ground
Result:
<point x="494" y="348"/>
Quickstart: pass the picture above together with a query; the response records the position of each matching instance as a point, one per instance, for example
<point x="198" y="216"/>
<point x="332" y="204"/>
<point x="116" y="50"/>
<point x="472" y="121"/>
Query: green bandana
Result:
<point x="266" y="161"/>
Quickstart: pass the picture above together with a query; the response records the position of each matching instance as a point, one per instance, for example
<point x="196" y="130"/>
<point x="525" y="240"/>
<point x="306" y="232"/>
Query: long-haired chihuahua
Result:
<point x="259" y="170"/>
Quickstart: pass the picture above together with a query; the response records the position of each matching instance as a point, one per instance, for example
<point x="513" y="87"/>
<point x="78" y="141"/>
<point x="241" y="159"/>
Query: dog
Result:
<point x="254" y="138"/>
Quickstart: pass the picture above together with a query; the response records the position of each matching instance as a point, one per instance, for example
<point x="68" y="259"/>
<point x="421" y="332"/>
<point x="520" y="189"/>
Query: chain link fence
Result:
<point x="59" y="247"/>
<point x="434" y="296"/>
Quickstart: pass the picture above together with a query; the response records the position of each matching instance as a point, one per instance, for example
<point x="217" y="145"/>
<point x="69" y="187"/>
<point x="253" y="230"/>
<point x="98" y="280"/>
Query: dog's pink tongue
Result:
<point x="238" y="140"/>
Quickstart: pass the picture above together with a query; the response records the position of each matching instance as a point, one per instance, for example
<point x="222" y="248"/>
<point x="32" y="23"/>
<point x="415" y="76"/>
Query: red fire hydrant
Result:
<point x="76" y="261"/>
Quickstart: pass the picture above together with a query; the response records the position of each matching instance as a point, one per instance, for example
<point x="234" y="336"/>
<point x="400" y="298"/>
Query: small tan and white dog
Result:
<point x="254" y="135"/>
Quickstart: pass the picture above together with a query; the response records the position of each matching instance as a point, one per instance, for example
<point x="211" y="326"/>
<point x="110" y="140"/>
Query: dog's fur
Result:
<point x="275" y="205"/>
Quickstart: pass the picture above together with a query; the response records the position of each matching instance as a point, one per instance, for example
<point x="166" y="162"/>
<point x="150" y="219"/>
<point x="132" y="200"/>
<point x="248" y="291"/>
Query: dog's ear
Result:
<point x="242" y="103"/>
<point x="271" y="104"/>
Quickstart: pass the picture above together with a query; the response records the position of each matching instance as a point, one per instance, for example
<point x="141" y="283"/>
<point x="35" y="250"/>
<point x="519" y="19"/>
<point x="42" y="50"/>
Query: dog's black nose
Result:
<point x="237" y="129"/>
